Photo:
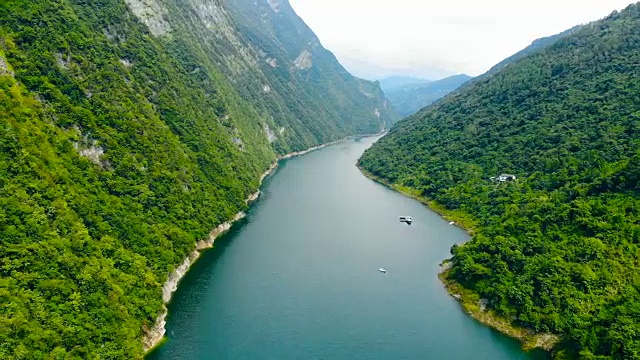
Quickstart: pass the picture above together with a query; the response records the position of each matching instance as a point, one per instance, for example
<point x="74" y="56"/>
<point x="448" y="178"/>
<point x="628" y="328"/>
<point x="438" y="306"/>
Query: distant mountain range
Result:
<point x="408" y="95"/>
<point x="393" y="83"/>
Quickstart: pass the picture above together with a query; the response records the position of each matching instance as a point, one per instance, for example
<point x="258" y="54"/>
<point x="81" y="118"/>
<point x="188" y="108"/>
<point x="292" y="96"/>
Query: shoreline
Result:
<point x="461" y="220"/>
<point x="154" y="336"/>
<point x="468" y="300"/>
<point x="476" y="307"/>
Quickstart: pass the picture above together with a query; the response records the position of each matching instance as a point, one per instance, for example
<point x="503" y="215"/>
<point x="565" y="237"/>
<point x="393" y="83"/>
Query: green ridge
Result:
<point x="123" y="144"/>
<point x="556" y="250"/>
<point x="410" y="98"/>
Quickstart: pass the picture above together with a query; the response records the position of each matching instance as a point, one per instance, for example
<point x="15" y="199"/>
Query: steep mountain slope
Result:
<point x="557" y="249"/>
<point x="537" y="45"/>
<point x="303" y="95"/>
<point x="408" y="99"/>
<point x="298" y="86"/>
<point x="130" y="129"/>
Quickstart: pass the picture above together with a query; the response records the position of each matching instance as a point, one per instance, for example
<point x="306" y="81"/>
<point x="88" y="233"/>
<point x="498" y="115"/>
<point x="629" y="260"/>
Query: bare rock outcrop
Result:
<point x="152" y="14"/>
<point x="304" y="60"/>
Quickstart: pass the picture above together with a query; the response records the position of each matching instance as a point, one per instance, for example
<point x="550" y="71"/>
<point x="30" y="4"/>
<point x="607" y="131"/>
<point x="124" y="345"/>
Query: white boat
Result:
<point x="382" y="270"/>
<point x="406" y="219"/>
<point x="452" y="223"/>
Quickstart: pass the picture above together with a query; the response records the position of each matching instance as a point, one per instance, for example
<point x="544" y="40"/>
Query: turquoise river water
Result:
<point x="299" y="279"/>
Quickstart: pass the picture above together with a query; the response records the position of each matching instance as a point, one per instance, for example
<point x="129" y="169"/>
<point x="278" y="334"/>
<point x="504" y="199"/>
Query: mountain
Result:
<point x="555" y="250"/>
<point x="131" y="129"/>
<point x="392" y="83"/>
<point x="305" y="78"/>
<point x="408" y="99"/>
<point x="408" y="95"/>
<point x="537" y="45"/>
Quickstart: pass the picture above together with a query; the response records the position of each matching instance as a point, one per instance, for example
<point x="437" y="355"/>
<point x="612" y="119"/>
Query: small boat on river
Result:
<point x="382" y="270"/>
<point x="406" y="219"/>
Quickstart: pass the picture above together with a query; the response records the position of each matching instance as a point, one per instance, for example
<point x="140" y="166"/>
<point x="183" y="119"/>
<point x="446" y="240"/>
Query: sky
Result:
<point x="434" y="39"/>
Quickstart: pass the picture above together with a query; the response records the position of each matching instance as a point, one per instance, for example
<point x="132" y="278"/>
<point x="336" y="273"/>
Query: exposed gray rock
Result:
<point x="4" y="67"/>
<point x="151" y="13"/>
<point x="92" y="153"/>
<point x="272" y="62"/>
<point x="365" y="93"/>
<point x="276" y="5"/>
<point x="304" y="60"/>
<point x="62" y="61"/>
<point x="126" y="63"/>
<point x="211" y="13"/>
<point x="271" y="136"/>
<point x="90" y="149"/>
<point x="483" y="304"/>
<point x="446" y="266"/>
<point x="111" y="33"/>
<point x="217" y="20"/>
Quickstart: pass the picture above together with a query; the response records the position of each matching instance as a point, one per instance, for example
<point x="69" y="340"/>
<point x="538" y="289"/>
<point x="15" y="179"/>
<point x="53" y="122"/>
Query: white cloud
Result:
<point x="428" y="38"/>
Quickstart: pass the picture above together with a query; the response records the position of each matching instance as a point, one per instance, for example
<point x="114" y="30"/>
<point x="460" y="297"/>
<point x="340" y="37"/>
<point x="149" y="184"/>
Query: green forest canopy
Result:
<point x="121" y="147"/>
<point x="557" y="250"/>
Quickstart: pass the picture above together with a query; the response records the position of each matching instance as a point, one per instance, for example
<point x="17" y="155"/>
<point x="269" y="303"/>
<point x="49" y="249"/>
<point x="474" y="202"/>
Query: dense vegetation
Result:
<point x="124" y="140"/>
<point x="536" y="46"/>
<point x="410" y="98"/>
<point x="299" y="89"/>
<point x="324" y="91"/>
<point x="557" y="250"/>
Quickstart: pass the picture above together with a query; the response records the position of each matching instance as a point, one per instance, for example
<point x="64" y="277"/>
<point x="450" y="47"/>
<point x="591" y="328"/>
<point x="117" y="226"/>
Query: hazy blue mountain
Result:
<point x="408" y="95"/>
<point x="410" y="98"/>
<point x="394" y="82"/>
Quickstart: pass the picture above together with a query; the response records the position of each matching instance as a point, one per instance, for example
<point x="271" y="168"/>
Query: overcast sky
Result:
<point x="437" y="38"/>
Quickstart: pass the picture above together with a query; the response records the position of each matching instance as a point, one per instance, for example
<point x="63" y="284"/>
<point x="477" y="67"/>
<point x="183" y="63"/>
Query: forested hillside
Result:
<point x="410" y="98"/>
<point x="130" y="129"/>
<point x="537" y="45"/>
<point x="557" y="249"/>
<point x="304" y="77"/>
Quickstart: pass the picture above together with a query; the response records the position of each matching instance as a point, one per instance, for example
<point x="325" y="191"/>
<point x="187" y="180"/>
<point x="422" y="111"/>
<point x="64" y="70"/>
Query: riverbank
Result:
<point x="459" y="218"/>
<point x="477" y="309"/>
<point x="154" y="336"/>
<point x="471" y="303"/>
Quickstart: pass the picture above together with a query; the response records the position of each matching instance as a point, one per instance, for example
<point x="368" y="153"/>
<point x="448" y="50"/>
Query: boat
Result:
<point x="452" y="223"/>
<point x="382" y="270"/>
<point x="406" y="219"/>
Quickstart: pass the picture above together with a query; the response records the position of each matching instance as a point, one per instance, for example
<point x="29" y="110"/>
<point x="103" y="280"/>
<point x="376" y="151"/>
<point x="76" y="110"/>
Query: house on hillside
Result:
<point x="506" y="177"/>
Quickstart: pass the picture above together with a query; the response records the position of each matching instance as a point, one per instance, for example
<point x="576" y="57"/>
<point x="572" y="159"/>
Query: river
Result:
<point x="298" y="278"/>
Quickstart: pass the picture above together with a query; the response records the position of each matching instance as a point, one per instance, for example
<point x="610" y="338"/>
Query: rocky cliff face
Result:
<point x="262" y="45"/>
<point x="305" y="69"/>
